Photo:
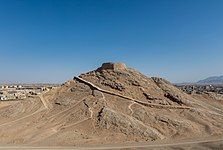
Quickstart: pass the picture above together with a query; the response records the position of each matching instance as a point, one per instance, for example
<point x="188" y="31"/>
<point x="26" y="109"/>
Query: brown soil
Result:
<point x="107" y="107"/>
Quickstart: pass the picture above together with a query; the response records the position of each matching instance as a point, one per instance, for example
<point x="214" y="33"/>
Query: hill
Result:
<point x="212" y="80"/>
<point x="110" y="105"/>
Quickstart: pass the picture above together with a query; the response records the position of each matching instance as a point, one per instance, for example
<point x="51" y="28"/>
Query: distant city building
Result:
<point x="19" y="92"/>
<point x="191" y="89"/>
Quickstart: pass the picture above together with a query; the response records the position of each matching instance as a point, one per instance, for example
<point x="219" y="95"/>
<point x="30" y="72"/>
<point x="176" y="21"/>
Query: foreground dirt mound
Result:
<point x="112" y="104"/>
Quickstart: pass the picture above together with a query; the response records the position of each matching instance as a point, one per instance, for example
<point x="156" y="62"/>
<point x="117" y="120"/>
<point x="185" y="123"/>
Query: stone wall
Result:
<point x="113" y="66"/>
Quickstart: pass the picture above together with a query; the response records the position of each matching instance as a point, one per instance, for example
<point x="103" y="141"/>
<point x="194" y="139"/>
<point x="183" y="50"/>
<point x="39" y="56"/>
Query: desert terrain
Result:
<point x="113" y="107"/>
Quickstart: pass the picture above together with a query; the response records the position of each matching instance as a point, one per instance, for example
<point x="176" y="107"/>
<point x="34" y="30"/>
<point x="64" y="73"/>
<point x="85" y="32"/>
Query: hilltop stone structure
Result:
<point x="112" y="66"/>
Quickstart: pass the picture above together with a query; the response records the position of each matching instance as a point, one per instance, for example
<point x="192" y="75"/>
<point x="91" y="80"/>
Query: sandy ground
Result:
<point x="211" y="143"/>
<point x="112" y="110"/>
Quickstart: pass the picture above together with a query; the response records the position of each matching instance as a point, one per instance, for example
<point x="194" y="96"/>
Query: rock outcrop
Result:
<point x="112" y="104"/>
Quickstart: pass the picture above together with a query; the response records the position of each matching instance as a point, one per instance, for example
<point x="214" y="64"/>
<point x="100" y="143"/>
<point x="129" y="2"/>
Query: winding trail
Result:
<point x="131" y="108"/>
<point x="27" y="116"/>
<point x="129" y="98"/>
<point x="76" y="123"/>
<point x="64" y="111"/>
<point x="43" y="101"/>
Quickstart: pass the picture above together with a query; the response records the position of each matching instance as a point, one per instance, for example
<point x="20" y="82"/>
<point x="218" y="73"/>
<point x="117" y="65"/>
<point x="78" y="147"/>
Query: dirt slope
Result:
<point x="109" y="106"/>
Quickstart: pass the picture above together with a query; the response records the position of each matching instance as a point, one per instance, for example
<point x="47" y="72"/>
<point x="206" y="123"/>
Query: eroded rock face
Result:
<point x="110" y="119"/>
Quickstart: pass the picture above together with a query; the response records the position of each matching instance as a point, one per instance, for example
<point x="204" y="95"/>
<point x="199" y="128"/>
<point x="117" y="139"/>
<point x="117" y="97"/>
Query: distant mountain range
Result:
<point x="212" y="80"/>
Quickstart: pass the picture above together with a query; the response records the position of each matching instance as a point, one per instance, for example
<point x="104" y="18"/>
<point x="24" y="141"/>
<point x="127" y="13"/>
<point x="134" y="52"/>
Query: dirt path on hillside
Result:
<point x="129" y="98"/>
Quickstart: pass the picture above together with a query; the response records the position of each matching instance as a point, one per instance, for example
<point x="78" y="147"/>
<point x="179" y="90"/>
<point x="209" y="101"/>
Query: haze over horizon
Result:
<point x="51" y="41"/>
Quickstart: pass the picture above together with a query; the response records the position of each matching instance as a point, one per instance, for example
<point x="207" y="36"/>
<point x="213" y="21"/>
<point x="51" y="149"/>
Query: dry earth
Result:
<point x="110" y="106"/>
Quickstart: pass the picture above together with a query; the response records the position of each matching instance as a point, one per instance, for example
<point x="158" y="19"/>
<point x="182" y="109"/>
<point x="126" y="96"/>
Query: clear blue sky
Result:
<point x="50" y="41"/>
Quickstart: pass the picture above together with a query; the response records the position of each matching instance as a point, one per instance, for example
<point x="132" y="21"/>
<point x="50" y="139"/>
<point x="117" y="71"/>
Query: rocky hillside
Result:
<point x="112" y="104"/>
